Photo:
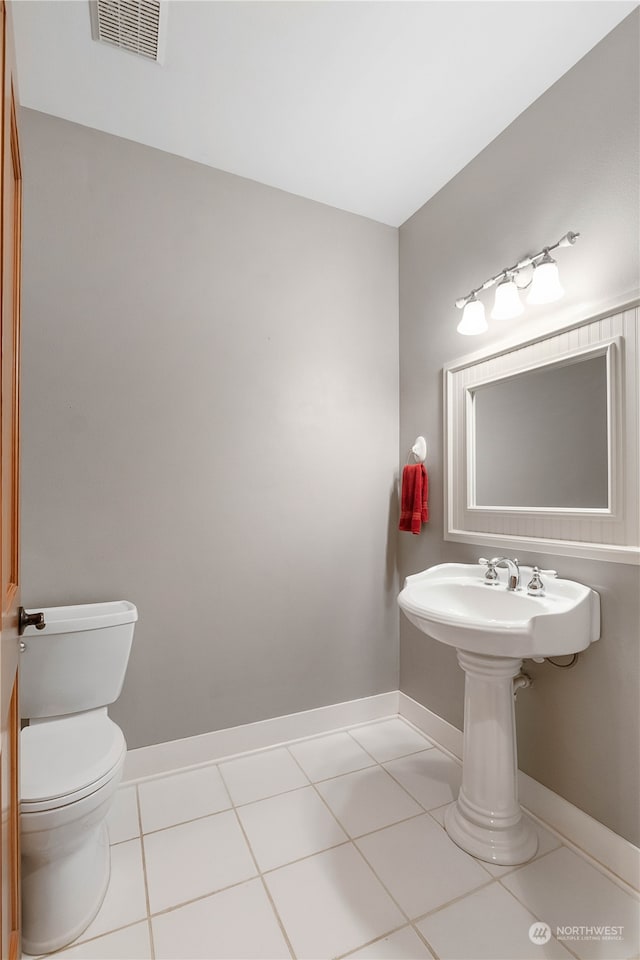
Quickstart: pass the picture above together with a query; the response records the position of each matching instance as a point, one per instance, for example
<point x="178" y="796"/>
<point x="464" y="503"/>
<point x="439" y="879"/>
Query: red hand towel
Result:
<point x="415" y="489"/>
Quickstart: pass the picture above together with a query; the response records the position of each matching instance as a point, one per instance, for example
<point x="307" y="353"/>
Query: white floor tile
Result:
<point x="431" y="777"/>
<point x="367" y="800"/>
<point x="235" y="924"/>
<point x="404" y="944"/>
<point x="122" y="819"/>
<point x="181" y="797"/>
<point x="125" y="901"/>
<point x="132" y="943"/>
<point x="388" y="739"/>
<point x="330" y="756"/>
<point x="564" y="890"/>
<point x="420" y="866"/>
<point x="489" y="924"/>
<point x="331" y="903"/>
<point x="194" y="859"/>
<point x="262" y="775"/>
<point x="292" y="825"/>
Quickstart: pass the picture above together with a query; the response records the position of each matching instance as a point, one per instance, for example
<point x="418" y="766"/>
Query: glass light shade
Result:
<point x="507" y="304"/>
<point x="473" y="319"/>
<point x="545" y="286"/>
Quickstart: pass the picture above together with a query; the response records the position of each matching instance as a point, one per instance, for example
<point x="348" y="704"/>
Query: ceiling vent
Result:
<point x="134" y="25"/>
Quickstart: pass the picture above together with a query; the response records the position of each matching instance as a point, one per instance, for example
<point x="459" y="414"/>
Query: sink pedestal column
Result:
<point x="486" y="820"/>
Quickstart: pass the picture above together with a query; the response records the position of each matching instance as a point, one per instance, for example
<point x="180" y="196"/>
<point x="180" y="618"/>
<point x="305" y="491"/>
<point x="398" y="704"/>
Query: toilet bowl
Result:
<point x="72" y="755"/>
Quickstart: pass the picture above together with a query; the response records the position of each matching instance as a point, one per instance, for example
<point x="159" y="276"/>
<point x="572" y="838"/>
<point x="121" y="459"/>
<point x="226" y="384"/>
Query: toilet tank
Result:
<point x="78" y="661"/>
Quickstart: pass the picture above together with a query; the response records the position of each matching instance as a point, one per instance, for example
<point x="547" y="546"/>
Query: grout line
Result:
<point x="283" y="929"/>
<point x="265" y="888"/>
<point x="257" y="865"/>
<point x="426" y="942"/>
<point x="369" y="943"/>
<point x="181" y="823"/>
<point x="335" y="816"/>
<point x="428" y="746"/>
<point x="520" y="866"/>
<point x="449" y="903"/>
<point x="203" y="896"/>
<point x="336" y="776"/>
<point x="386" y="889"/>
<point x="99" y="936"/>
<point x="322" y="799"/>
<point x="411" y="920"/>
<point x="358" y="836"/>
<point x="357" y="742"/>
<point x="144" y="873"/>
<point x="432" y="813"/>
<point x="387" y="826"/>
<point x="224" y="786"/>
<point x="413" y="796"/>
<point x="534" y="914"/>
<point x="584" y="855"/>
<point x="307" y="856"/>
<point x="281" y="793"/>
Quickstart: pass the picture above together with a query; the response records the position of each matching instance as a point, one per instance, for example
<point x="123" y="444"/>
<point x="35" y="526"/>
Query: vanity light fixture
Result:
<point x="507" y="303"/>
<point x="545" y="285"/>
<point x="544" y="282"/>
<point x="473" y="319"/>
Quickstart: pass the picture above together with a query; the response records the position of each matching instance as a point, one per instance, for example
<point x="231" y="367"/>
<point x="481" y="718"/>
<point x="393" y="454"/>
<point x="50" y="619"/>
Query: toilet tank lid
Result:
<point x="85" y="616"/>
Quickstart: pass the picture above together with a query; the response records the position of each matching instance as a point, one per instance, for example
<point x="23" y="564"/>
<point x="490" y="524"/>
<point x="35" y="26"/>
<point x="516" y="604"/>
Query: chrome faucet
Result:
<point x="513" y="575"/>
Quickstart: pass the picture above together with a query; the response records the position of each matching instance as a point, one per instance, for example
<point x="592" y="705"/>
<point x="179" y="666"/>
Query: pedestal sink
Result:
<point x="493" y="629"/>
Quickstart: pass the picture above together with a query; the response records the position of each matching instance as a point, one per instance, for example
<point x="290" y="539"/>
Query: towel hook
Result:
<point x="419" y="450"/>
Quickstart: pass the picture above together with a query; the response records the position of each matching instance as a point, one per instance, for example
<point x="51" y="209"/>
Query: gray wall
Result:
<point x="569" y="162"/>
<point x="210" y="428"/>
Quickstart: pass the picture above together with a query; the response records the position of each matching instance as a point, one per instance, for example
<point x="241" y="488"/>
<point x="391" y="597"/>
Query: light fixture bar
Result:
<point x="566" y="241"/>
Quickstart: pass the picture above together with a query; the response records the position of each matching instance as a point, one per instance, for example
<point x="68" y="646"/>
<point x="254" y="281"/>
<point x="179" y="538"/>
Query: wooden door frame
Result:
<point x="10" y="274"/>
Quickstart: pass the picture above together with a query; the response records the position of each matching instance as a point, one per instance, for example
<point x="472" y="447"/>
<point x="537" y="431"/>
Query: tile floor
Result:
<point x="333" y="847"/>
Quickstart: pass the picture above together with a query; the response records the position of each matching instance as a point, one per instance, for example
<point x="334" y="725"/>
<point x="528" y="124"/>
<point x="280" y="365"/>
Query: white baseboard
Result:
<point x="444" y="733"/>
<point x="162" y="758"/>
<point x="582" y="831"/>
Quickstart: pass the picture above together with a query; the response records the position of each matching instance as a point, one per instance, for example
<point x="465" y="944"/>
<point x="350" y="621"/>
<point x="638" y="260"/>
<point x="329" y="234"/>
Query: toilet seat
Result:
<point x="68" y="758"/>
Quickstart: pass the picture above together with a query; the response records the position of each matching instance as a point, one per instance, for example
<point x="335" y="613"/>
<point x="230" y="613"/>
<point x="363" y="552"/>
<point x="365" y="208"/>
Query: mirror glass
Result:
<point x="541" y="438"/>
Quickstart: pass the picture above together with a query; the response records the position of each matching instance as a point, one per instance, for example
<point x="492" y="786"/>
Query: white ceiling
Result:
<point x="366" y="106"/>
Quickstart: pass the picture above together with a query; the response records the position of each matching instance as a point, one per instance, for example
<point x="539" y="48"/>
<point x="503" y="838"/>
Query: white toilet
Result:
<point x="72" y="756"/>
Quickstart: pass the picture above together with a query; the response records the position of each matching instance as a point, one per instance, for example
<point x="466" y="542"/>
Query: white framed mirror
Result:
<point x="542" y="443"/>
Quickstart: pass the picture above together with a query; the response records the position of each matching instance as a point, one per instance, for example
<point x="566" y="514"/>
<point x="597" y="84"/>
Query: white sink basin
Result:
<point x="493" y="629"/>
<point x="452" y="603"/>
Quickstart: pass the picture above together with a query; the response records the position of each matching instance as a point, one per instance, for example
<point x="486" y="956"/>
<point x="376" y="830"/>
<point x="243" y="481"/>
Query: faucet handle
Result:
<point x="535" y="587"/>
<point x="491" y="576"/>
